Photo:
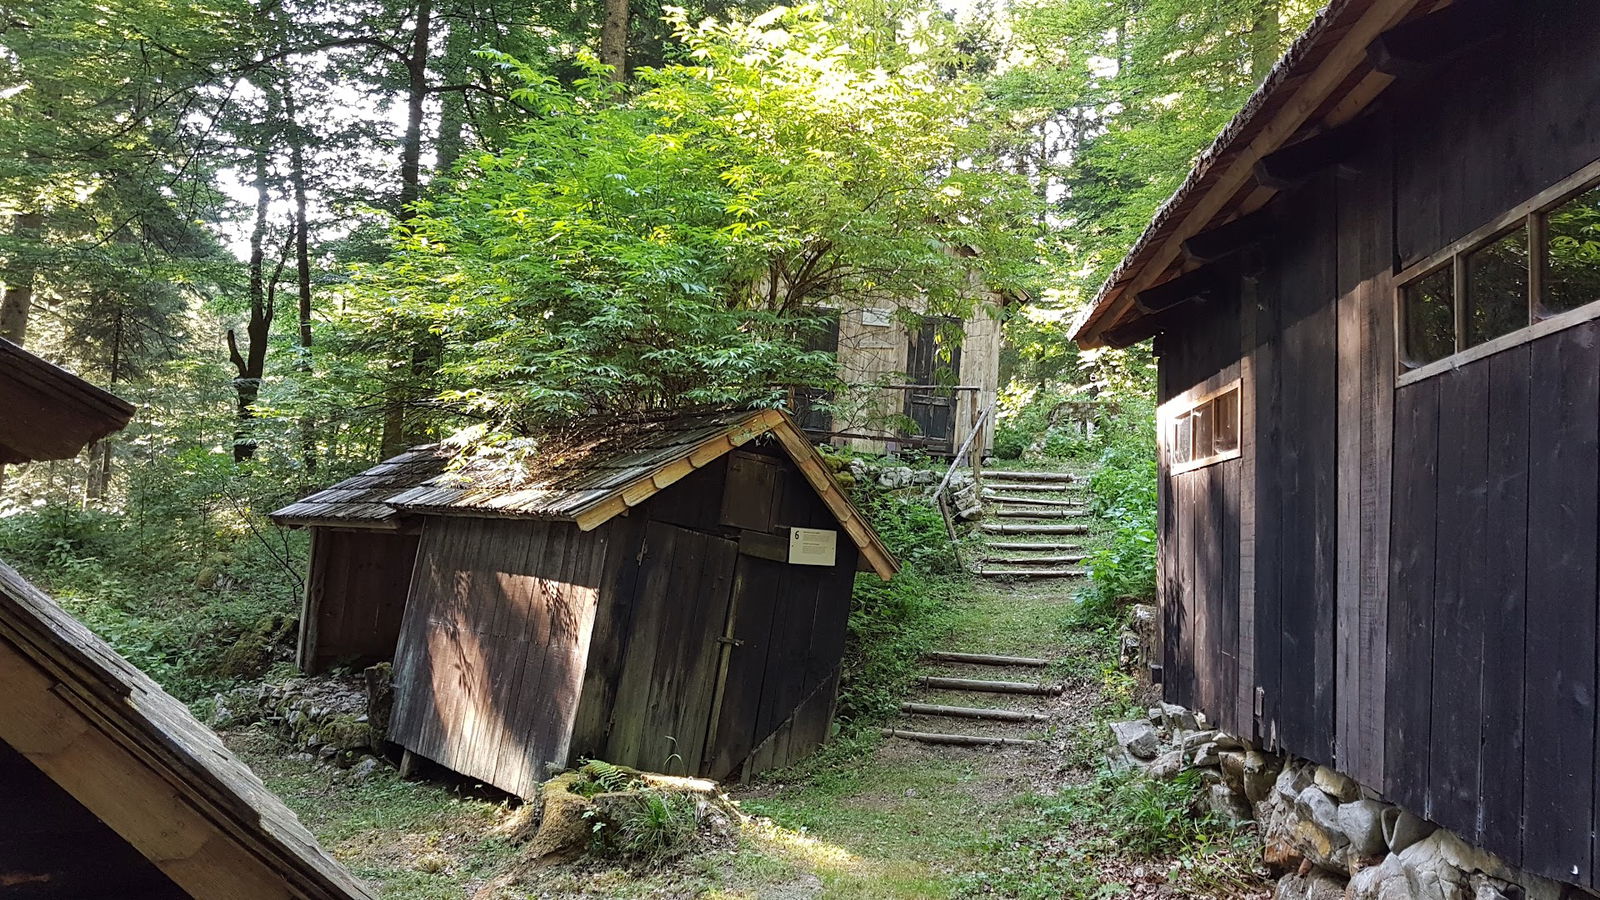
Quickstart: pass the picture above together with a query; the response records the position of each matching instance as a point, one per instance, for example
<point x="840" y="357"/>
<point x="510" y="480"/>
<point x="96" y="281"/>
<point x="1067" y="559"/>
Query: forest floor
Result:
<point x="870" y="818"/>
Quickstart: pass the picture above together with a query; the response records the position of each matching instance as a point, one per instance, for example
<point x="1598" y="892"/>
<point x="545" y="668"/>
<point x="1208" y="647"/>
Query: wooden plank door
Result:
<point x="669" y="674"/>
<point x="934" y="410"/>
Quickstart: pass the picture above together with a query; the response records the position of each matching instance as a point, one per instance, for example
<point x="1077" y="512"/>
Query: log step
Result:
<point x="1029" y="487"/>
<point x="957" y="740"/>
<point x="1021" y="528"/>
<point x="1066" y="559"/>
<point x="1031" y="573"/>
<point x="941" y="682"/>
<point x="986" y="659"/>
<point x="1008" y="512"/>
<point x="1041" y="547"/>
<point x="1033" y="501"/>
<point x="999" y="475"/>
<point x="971" y="712"/>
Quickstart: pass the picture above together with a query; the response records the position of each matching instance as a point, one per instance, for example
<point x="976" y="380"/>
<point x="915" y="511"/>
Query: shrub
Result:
<point x="893" y="623"/>
<point x="1123" y="500"/>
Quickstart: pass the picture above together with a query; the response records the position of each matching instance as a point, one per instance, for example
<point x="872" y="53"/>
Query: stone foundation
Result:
<point x="1327" y="836"/>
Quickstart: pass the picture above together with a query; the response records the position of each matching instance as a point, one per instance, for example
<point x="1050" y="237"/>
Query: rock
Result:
<point x="1429" y="870"/>
<point x="1340" y="787"/>
<point x="1206" y="755"/>
<point x="1232" y="764"/>
<point x="1486" y="888"/>
<point x="1155" y="715"/>
<point x="364" y="769"/>
<point x="1136" y="737"/>
<point x="379" y="681"/>
<point x="1316" y="832"/>
<point x="1227" y="805"/>
<point x="1168" y="765"/>
<point x="1191" y="741"/>
<point x="1401" y="829"/>
<point x="1176" y="717"/>
<point x="1362" y="824"/>
<point x="1386" y="881"/>
<point x="1259" y="772"/>
<point x="1291" y="782"/>
<point x="1315" y="885"/>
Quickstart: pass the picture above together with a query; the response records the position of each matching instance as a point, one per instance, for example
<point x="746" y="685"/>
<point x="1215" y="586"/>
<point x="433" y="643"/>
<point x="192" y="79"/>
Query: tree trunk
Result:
<point x="16" y="306"/>
<point x="302" y="264"/>
<point x="614" y="38"/>
<point x="251" y="363"/>
<point x="453" y="113"/>
<point x="416" y="95"/>
<point x="99" y="483"/>
<point x="1266" y="40"/>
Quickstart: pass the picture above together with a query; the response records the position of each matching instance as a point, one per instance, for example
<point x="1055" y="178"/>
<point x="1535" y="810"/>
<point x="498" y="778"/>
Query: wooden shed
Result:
<point x="109" y="788"/>
<point x="1376" y="303"/>
<point x="670" y="593"/>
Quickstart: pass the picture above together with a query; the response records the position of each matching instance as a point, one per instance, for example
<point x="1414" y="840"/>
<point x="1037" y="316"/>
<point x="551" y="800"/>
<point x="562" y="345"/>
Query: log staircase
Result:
<point x="967" y="697"/>
<point x="1035" y="525"/>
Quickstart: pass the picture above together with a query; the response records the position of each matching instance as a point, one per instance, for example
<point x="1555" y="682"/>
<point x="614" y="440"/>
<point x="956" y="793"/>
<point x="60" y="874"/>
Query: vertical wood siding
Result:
<point x="1412" y="572"/>
<point x="355" y="597"/>
<point x="493" y="651"/>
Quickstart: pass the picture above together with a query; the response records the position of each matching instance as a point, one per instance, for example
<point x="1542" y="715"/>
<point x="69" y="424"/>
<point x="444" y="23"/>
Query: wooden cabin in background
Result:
<point x="668" y="593"/>
<point x="109" y="788"/>
<point x="1376" y="303"/>
<point x="919" y="386"/>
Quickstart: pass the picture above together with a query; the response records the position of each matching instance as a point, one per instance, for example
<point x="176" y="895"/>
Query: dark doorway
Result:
<point x="932" y="362"/>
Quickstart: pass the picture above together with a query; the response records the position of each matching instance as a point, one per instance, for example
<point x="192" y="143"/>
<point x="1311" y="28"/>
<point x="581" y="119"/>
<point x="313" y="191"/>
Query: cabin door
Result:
<point x="930" y="361"/>
<point x="669" y="676"/>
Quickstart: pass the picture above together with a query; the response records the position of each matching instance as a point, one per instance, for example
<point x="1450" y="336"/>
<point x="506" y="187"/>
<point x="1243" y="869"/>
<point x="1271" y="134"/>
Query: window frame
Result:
<point x="1531" y="214"/>
<point x="1170" y="420"/>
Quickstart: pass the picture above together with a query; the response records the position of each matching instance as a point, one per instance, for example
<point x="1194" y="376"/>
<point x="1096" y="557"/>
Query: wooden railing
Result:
<point x="968" y="455"/>
<point x="967" y="399"/>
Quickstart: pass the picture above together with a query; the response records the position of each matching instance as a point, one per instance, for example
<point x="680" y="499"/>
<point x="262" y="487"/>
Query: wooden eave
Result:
<point x="795" y="445"/>
<point x="1324" y="81"/>
<point x="47" y="412"/>
<point x="139" y="761"/>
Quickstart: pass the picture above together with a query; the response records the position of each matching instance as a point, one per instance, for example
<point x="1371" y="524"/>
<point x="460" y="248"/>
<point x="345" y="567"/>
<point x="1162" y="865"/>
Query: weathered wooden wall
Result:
<point x="1417" y="565"/>
<point x="52" y="848"/>
<point x="355" y="596"/>
<point x="674" y="638"/>
<point x="492" y="656"/>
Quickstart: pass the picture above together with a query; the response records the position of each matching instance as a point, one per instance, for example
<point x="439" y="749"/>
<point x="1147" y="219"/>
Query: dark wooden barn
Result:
<point x="670" y="594"/>
<point x="109" y="788"/>
<point x="1376" y="304"/>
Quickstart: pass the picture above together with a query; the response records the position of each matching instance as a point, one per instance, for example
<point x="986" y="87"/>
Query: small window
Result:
<point x="1430" y="317"/>
<point x="1497" y="288"/>
<point x="1572" y="258"/>
<point x="1206" y="432"/>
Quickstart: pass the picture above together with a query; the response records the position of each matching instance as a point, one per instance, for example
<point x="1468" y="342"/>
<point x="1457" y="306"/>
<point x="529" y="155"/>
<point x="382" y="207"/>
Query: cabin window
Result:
<point x="1205" y="431"/>
<point x="1533" y="270"/>
<point x="1572" y="254"/>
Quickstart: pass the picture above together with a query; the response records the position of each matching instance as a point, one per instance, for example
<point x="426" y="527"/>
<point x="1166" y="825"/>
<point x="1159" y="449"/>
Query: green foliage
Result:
<point x="659" y="826"/>
<point x="675" y="243"/>
<point x="190" y="582"/>
<point x="1116" y="816"/>
<point x="1123" y="568"/>
<point x="600" y="777"/>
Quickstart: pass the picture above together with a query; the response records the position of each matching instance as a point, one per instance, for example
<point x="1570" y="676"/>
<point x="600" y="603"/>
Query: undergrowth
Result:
<point x="1122" y="569"/>
<point x="1086" y="842"/>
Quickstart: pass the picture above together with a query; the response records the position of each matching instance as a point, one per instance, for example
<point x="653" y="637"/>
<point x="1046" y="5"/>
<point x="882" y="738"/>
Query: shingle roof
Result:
<point x="587" y="472"/>
<point x="360" y="500"/>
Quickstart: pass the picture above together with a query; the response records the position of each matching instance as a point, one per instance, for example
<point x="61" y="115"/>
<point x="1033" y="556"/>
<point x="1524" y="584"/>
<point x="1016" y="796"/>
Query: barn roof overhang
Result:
<point x="1303" y="118"/>
<point x="50" y="413"/>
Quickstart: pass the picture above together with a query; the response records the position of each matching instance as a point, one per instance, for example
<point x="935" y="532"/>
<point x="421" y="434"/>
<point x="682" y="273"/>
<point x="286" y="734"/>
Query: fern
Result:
<point x="602" y="777"/>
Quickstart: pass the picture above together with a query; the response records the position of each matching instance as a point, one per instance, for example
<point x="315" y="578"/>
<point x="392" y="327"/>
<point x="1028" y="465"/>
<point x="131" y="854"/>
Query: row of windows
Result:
<point x="1545" y="264"/>
<point x="1206" y="432"/>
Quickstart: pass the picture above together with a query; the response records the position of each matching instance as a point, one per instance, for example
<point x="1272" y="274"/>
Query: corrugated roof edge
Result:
<point x="1242" y="122"/>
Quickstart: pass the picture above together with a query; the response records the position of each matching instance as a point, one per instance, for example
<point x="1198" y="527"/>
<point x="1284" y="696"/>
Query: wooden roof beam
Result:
<point x="1292" y="165"/>
<point x="1226" y="240"/>
<point x="1197" y="285"/>
<point x="1419" y="45"/>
